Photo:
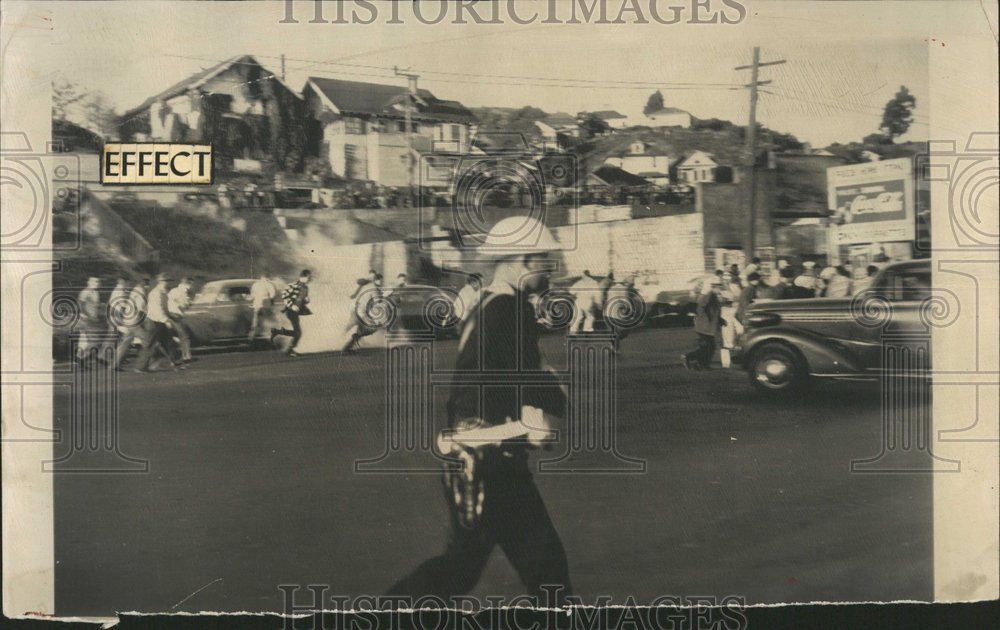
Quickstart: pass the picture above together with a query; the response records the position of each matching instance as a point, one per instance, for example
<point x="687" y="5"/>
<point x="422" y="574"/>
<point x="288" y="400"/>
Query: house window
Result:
<point x="350" y="161"/>
<point x="456" y="133"/>
<point x="354" y="126"/>
<point x="401" y="126"/>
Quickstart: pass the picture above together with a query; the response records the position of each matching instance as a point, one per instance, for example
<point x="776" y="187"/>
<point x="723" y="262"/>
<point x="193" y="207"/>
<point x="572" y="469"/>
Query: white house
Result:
<point x="613" y="119"/>
<point x="559" y="123"/>
<point x="667" y="117"/>
<point x="654" y="168"/>
<point x="360" y="128"/>
<point x="697" y="167"/>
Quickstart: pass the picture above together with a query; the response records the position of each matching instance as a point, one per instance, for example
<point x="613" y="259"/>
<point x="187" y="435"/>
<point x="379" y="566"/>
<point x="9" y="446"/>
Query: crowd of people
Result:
<point x="722" y="300"/>
<point x="151" y="313"/>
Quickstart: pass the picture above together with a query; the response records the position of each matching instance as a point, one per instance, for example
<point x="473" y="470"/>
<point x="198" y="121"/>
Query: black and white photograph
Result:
<point x="649" y="312"/>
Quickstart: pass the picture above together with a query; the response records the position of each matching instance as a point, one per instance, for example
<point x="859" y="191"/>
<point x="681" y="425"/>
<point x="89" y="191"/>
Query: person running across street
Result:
<point x="500" y="342"/>
<point x="159" y="333"/>
<point x="132" y="315"/>
<point x="117" y="299"/>
<point x="89" y="323"/>
<point x="296" y="304"/>
<point x="363" y="300"/>
<point x="178" y="302"/>
<point x="262" y="294"/>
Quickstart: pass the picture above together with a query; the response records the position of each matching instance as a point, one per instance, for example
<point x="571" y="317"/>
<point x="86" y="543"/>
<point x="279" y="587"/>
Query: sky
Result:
<point x="844" y="60"/>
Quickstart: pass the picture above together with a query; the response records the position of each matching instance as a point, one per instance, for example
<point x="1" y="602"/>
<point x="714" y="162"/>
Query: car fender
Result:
<point x="821" y="354"/>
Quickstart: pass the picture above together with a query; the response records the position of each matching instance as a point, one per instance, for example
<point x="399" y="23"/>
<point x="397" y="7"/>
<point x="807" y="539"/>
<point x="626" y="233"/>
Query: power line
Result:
<point x="835" y="105"/>
<point x="523" y="80"/>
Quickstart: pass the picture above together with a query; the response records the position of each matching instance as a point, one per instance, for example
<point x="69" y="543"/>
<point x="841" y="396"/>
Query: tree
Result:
<point x="89" y="109"/>
<point x="654" y="104"/>
<point x="898" y="114"/>
<point x="64" y="95"/>
<point x="594" y="125"/>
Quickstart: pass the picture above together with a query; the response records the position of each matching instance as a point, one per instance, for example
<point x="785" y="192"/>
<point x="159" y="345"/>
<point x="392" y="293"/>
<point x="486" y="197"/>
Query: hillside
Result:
<point x="726" y="146"/>
<point x="509" y="119"/>
<point x="211" y="247"/>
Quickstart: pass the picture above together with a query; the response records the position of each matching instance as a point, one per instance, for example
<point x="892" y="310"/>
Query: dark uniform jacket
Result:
<point x="500" y="343"/>
<point x="707" y="315"/>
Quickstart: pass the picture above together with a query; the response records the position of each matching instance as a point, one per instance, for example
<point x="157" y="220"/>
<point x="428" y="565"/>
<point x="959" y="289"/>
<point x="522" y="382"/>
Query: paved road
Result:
<point x="251" y="485"/>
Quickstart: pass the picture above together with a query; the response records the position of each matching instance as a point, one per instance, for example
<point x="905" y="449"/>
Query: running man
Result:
<point x="368" y="293"/>
<point x="296" y="300"/>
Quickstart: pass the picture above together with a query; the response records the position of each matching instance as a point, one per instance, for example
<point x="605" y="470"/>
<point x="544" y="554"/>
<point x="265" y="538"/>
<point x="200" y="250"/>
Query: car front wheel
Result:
<point x="776" y="368"/>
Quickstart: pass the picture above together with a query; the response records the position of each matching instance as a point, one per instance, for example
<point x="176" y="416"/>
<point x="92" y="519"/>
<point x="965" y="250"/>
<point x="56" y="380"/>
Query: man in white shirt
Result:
<point x="178" y="302"/>
<point x="262" y="294"/>
<point x="157" y="324"/>
<point x="89" y="322"/>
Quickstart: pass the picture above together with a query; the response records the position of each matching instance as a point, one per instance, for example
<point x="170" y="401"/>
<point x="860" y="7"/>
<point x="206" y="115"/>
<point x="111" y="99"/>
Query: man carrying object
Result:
<point x="501" y="421"/>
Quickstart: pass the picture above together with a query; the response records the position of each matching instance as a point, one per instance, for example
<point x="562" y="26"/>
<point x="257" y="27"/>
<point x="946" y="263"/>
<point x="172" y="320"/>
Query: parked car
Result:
<point x="676" y="307"/>
<point x="788" y="342"/>
<point x="424" y="308"/>
<point x="221" y="312"/>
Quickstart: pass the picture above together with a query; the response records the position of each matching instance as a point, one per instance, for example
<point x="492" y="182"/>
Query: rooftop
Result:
<point x="614" y="176"/>
<point x="358" y="97"/>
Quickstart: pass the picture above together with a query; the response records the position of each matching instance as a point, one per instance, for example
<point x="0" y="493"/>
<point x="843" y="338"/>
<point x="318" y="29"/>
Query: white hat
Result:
<point x="809" y="264"/>
<point x="828" y="273"/>
<point x="806" y="282"/>
<point x="518" y="235"/>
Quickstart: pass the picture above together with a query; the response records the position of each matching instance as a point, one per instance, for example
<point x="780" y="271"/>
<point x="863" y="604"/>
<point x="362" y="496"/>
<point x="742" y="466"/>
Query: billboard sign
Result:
<point x="872" y="202"/>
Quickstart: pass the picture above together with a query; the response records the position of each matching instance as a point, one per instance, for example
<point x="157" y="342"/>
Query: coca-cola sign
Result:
<point x="882" y="201"/>
<point x="872" y="200"/>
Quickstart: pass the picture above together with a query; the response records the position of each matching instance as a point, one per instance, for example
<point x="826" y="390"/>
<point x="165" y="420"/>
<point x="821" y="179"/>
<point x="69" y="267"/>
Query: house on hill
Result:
<point x="249" y="115"/>
<point x="654" y="167"/>
<point x="697" y="167"/>
<point x="667" y="117"/>
<point x="360" y="128"/>
<point x="613" y="179"/>
<point x="559" y="123"/>
<point x="614" y="120"/>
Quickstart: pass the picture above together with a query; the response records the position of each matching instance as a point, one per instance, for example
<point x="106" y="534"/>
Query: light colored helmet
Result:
<point x="518" y="235"/>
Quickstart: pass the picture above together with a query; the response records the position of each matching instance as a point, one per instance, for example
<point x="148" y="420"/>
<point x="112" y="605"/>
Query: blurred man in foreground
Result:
<point x="494" y="501"/>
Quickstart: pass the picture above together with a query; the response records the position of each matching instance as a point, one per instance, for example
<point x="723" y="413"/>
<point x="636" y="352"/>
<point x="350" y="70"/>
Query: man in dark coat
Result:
<point x="500" y="342"/>
<point x="707" y="323"/>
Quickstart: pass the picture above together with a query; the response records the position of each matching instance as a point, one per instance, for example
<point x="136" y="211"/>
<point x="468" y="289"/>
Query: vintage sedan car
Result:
<point x="424" y="308"/>
<point x="790" y="342"/>
<point x="221" y="312"/>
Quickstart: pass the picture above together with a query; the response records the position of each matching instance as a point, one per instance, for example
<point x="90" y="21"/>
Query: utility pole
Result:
<point x="411" y="94"/>
<point x="282" y="66"/>
<point x="751" y="241"/>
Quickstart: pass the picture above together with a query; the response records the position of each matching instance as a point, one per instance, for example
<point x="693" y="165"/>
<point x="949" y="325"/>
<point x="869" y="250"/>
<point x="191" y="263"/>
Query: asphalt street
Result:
<point x="251" y="485"/>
